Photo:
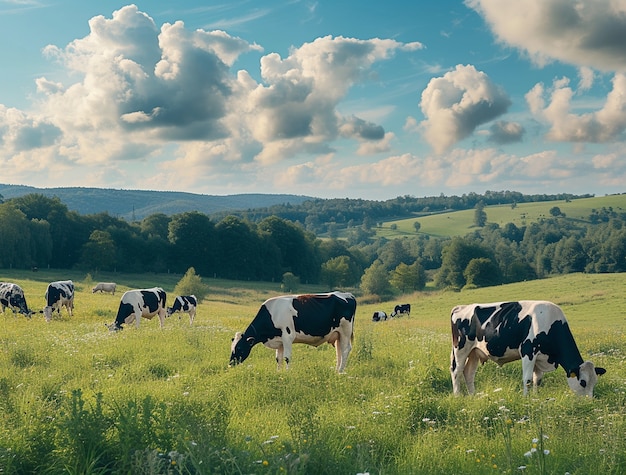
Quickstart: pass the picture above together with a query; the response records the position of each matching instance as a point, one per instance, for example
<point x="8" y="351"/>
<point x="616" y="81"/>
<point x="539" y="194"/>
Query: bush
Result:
<point x="191" y="284"/>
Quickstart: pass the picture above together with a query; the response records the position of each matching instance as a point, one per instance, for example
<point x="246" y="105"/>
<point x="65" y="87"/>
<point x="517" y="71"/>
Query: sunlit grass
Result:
<point x="76" y="398"/>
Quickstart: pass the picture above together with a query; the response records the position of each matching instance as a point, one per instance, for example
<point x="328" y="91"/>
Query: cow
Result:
<point x="402" y="309"/>
<point x="184" y="304"/>
<point x="379" y="316"/>
<point x="311" y="318"/>
<point x="12" y="296"/>
<point x="139" y="303"/>
<point x="58" y="295"/>
<point x="536" y="332"/>
<point x="104" y="287"/>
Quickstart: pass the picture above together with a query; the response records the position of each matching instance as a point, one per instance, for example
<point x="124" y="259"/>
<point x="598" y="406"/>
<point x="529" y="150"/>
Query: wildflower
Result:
<point x="546" y="452"/>
<point x="348" y="447"/>
<point x="265" y="463"/>
<point x="521" y="468"/>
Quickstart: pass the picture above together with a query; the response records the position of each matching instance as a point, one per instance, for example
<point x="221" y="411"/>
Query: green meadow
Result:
<point x="460" y="223"/>
<point x="77" y="399"/>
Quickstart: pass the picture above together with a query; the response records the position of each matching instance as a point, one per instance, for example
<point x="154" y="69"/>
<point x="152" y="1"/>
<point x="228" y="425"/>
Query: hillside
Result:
<point x="459" y="223"/>
<point x="137" y="204"/>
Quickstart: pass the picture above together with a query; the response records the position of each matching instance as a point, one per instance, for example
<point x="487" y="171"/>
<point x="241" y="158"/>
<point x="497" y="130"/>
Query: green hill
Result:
<point x="459" y="223"/>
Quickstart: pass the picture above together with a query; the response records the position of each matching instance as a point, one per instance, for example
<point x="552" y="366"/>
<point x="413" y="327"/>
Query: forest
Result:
<point x="40" y="232"/>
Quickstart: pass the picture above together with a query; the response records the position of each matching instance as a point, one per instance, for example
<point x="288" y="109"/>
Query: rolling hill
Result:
<point x="137" y="204"/>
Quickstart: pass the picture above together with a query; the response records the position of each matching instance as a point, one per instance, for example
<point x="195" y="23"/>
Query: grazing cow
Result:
<point x="104" y="287"/>
<point x="312" y="319"/>
<point x="403" y="309"/>
<point x="536" y="332"/>
<point x="135" y="304"/>
<point x="184" y="304"/>
<point x="59" y="294"/>
<point x="379" y="316"/>
<point x="12" y="296"/>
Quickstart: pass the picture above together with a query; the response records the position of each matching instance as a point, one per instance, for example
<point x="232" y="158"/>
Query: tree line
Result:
<point x="37" y="231"/>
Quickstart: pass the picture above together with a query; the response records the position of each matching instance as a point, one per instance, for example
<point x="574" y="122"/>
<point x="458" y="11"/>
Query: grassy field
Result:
<point x="459" y="223"/>
<point x="75" y="398"/>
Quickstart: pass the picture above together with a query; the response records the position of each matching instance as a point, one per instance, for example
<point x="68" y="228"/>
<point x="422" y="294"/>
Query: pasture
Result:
<point x="460" y="223"/>
<point x="75" y="398"/>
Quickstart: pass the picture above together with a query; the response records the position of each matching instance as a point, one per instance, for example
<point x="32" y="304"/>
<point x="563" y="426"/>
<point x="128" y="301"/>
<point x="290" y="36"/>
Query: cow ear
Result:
<point x="250" y="340"/>
<point x="600" y="371"/>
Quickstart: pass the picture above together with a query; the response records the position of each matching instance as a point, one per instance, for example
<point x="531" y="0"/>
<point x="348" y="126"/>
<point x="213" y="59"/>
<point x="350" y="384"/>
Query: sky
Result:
<point x="332" y="99"/>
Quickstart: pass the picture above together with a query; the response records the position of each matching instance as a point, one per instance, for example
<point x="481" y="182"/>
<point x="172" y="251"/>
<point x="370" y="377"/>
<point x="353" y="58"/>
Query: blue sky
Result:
<point x="329" y="99"/>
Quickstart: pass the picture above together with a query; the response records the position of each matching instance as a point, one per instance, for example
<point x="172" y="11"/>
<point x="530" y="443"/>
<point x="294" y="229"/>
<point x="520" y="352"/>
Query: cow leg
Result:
<point x="279" y="358"/>
<point x="456" y="369"/>
<point x="343" y="347"/>
<point x="162" y="318"/>
<point x="469" y="371"/>
<point x="528" y="370"/>
<point x="287" y="346"/>
<point x="192" y="315"/>
<point x="137" y="318"/>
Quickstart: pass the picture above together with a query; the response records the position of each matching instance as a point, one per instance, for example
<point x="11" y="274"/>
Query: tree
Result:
<point x="456" y="255"/>
<point x="290" y="282"/>
<point x="191" y="284"/>
<point x="417" y="225"/>
<point x="555" y="211"/>
<point x="375" y="280"/>
<point x="405" y="277"/>
<point x="482" y="272"/>
<point x="193" y="237"/>
<point x="339" y="272"/>
<point x="99" y="252"/>
<point x="480" y="216"/>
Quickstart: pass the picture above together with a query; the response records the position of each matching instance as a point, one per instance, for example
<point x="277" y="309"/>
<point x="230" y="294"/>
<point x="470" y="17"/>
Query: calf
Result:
<point x="184" y="304"/>
<point x="379" y="316"/>
<point x="403" y="309"/>
<point x="105" y="287"/>
<point x="59" y="294"/>
<point x="311" y="319"/>
<point x="12" y="296"/>
<point x="139" y="303"/>
<point x="536" y="332"/>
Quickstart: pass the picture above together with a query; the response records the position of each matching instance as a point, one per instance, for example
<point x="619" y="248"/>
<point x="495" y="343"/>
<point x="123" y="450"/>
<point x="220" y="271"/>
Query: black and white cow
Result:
<point x="536" y="332"/>
<point x="379" y="316"/>
<point x="313" y="319"/>
<point x="12" y="297"/>
<point x="139" y="303"/>
<point x="104" y="287"/>
<point x="403" y="309"/>
<point x="184" y="304"/>
<point x="58" y="295"/>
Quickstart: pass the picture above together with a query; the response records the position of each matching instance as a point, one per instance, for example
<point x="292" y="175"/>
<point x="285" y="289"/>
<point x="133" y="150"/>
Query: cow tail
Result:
<point x="455" y="329"/>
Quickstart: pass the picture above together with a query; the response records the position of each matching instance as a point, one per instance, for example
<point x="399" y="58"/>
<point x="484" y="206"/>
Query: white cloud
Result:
<point x="589" y="33"/>
<point x="604" y="125"/>
<point x="458" y="102"/>
<point x="503" y="132"/>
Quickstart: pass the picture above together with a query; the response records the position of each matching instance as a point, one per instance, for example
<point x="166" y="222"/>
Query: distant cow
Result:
<point x="403" y="309"/>
<point x="104" y="287"/>
<point x="139" y="303"/>
<point x="59" y="294"/>
<point x="184" y="304"/>
<point x="12" y="296"/>
<point x="536" y="332"/>
<point x="379" y="316"/>
<point x="312" y="319"/>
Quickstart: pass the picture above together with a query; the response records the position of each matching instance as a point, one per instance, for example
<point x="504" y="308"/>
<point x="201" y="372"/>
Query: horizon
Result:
<point x="312" y="99"/>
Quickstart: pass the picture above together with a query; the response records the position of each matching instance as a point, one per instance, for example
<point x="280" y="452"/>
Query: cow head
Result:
<point x="114" y="327"/>
<point x="240" y="348"/>
<point x="582" y="380"/>
<point x="47" y="313"/>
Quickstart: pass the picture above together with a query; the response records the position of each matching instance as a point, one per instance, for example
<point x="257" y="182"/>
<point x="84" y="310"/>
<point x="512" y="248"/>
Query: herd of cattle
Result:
<point x="536" y="332"/>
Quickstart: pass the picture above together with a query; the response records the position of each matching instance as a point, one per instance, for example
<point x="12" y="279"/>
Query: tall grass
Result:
<point x="75" y="398"/>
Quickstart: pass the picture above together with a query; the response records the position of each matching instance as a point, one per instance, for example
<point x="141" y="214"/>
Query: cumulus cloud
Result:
<point x="458" y="102"/>
<point x="21" y="132"/>
<point x="553" y="106"/>
<point x="503" y="132"/>
<point x="589" y="33"/>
